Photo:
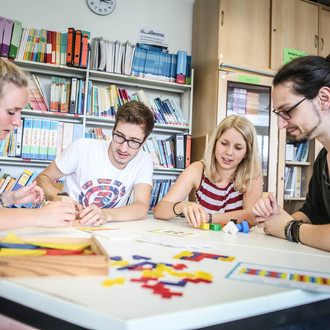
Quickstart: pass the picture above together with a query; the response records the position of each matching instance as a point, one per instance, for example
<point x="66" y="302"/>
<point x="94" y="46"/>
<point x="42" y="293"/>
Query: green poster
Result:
<point x="290" y="54"/>
<point x="248" y="79"/>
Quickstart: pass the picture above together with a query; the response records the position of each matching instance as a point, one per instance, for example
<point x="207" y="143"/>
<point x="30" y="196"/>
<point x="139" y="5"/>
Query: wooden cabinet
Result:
<point x="233" y="31"/>
<point x="324" y="29"/>
<point x="225" y="31"/>
<point x="300" y="25"/>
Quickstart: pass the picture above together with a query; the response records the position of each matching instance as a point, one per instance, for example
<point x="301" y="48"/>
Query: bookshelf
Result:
<point x="180" y="92"/>
<point x="287" y="186"/>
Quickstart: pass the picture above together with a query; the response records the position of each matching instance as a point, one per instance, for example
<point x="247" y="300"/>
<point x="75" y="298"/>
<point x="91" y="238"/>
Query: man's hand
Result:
<point x="266" y="206"/>
<point x="93" y="215"/>
<point x="275" y="224"/>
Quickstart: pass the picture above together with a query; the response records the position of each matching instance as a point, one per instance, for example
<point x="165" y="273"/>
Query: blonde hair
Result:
<point x="10" y="73"/>
<point x="250" y="167"/>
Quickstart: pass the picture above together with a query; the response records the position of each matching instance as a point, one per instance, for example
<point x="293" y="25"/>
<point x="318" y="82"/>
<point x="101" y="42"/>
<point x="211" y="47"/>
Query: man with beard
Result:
<point x="103" y="175"/>
<point x="301" y="98"/>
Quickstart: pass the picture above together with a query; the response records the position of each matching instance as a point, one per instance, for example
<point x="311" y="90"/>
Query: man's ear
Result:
<point x="324" y="98"/>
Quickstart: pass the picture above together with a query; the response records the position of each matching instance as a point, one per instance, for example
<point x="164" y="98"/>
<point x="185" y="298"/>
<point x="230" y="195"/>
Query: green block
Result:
<point x="215" y="227"/>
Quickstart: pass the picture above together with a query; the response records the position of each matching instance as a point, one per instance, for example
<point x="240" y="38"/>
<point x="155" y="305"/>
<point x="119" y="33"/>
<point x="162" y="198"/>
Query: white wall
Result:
<point x="174" y="17"/>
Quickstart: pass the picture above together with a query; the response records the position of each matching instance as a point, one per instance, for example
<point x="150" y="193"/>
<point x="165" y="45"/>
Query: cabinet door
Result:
<point x="324" y="28"/>
<point x="245" y="32"/>
<point x="250" y="96"/>
<point x="294" y="26"/>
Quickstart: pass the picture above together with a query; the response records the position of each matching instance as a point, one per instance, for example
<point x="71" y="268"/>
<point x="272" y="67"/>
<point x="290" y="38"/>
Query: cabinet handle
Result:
<point x="322" y="40"/>
<point x="316" y="40"/>
<point x="222" y="17"/>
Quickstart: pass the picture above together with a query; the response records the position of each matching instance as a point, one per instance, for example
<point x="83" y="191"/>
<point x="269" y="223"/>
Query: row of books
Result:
<point x="173" y="152"/>
<point x="112" y="56"/>
<point x="293" y="176"/>
<point x="297" y="152"/>
<point x="40" y="45"/>
<point x="156" y="64"/>
<point x="159" y="190"/>
<point x="67" y="95"/>
<point x="242" y="102"/>
<point x="104" y="102"/>
<point x="140" y="60"/>
<point x="72" y="48"/>
<point x="9" y="183"/>
<point x="40" y="139"/>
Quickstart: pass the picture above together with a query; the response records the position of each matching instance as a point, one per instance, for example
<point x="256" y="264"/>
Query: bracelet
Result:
<point x="287" y="230"/>
<point x="295" y="231"/>
<point x="174" y="205"/>
<point x="210" y="219"/>
<point x="62" y="194"/>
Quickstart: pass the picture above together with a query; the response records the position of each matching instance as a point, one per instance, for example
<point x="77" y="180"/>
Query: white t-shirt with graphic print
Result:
<point x="92" y="179"/>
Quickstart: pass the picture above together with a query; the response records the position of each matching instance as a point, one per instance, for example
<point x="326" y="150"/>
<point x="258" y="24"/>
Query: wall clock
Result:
<point x="101" y="7"/>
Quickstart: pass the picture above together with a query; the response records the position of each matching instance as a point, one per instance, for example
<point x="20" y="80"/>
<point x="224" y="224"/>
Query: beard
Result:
<point x="306" y="136"/>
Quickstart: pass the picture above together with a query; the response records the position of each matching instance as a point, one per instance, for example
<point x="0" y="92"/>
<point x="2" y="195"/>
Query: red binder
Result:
<point x="77" y="48"/>
<point x="70" y="47"/>
<point x="84" y="51"/>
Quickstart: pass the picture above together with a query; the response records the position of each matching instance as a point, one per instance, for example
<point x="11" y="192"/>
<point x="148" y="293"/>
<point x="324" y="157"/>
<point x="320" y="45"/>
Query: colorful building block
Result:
<point x="230" y="228"/>
<point x="215" y="227"/>
<point x="245" y="226"/>
<point x="205" y="226"/>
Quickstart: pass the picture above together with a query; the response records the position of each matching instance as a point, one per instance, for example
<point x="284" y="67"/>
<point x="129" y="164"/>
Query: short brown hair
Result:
<point x="136" y="113"/>
<point x="11" y="73"/>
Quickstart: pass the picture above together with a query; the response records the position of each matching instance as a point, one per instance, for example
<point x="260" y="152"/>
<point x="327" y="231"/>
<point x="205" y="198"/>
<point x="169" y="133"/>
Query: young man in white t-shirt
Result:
<point x="102" y="175"/>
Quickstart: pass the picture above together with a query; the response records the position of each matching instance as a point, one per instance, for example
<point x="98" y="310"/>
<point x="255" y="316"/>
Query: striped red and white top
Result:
<point x="218" y="200"/>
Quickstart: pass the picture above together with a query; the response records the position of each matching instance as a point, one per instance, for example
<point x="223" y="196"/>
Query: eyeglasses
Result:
<point x="131" y="143"/>
<point x="286" y="114"/>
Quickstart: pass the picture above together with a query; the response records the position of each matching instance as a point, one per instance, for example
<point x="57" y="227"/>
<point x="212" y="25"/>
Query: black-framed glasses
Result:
<point x="286" y="114"/>
<point x="131" y="143"/>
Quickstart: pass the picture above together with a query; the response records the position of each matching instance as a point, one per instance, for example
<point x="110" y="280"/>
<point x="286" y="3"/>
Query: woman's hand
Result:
<point x="194" y="213"/>
<point x="28" y="194"/>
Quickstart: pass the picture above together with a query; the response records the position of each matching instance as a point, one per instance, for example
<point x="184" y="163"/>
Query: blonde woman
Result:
<point x="227" y="181"/>
<point x="14" y="98"/>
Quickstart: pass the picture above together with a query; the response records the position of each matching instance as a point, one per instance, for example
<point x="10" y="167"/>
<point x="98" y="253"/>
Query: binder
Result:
<point x="52" y="140"/>
<point x="2" y="28"/>
<point x="73" y="95"/>
<point x="77" y="48"/>
<point x="181" y="67"/>
<point x="15" y="39"/>
<point x="44" y="138"/>
<point x="7" y="37"/>
<point x="35" y="138"/>
<point x="84" y="50"/>
<point x="179" y="151"/>
<point x="27" y="134"/>
<point x="187" y="143"/>
<point x="18" y="148"/>
<point x="70" y="46"/>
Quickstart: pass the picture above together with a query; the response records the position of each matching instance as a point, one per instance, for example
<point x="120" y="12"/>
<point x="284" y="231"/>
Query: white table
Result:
<point x="85" y="302"/>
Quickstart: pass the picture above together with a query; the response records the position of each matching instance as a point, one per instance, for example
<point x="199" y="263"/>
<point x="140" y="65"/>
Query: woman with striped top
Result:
<point x="227" y="181"/>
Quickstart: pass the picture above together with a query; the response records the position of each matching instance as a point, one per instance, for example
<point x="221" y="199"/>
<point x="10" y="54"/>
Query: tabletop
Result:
<point x="198" y="269"/>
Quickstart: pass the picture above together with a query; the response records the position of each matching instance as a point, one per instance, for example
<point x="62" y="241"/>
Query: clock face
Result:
<point x="101" y="7"/>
